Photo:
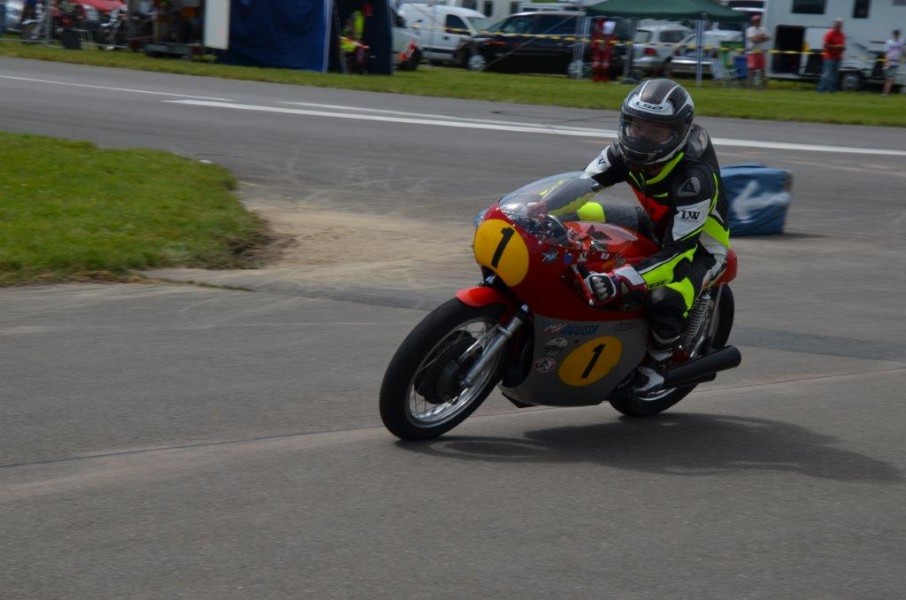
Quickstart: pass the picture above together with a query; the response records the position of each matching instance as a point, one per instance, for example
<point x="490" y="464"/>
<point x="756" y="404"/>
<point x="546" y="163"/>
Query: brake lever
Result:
<point x="580" y="274"/>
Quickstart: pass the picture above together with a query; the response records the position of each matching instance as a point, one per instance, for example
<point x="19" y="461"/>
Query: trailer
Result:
<point x="797" y="29"/>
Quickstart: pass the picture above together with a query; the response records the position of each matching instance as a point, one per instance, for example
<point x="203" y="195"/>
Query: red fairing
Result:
<point x="550" y="286"/>
<point x="482" y="296"/>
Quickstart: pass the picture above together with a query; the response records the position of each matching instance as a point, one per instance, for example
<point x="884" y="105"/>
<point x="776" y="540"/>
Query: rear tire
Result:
<point x="633" y="406"/>
<point x="421" y="395"/>
<point x="31" y="33"/>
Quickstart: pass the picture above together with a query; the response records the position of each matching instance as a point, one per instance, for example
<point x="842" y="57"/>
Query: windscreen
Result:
<point x="571" y="197"/>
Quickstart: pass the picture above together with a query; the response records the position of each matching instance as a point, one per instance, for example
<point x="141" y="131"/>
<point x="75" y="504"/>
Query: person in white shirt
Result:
<point x="892" y="57"/>
<point x="757" y="39"/>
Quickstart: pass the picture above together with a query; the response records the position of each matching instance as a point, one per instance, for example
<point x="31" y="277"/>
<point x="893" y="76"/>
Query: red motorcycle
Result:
<point x="531" y="326"/>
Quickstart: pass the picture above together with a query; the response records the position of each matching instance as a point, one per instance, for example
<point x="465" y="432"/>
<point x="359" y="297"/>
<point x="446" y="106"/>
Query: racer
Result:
<point x="672" y="167"/>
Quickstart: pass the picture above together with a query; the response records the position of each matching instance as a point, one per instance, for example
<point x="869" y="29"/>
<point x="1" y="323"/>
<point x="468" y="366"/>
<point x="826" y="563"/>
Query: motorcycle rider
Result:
<point x="672" y="167"/>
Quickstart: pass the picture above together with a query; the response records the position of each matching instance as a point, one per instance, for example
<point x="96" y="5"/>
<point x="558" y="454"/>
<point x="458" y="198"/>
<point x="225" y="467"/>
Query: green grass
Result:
<point x="72" y="211"/>
<point x="784" y="101"/>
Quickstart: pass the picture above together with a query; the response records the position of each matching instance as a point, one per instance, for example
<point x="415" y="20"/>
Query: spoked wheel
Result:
<point x="31" y="32"/>
<point x="633" y="405"/>
<point x="422" y="395"/>
<point x="477" y="62"/>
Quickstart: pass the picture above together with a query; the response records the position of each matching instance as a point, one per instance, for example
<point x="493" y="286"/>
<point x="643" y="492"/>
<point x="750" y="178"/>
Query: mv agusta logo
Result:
<point x="566" y="329"/>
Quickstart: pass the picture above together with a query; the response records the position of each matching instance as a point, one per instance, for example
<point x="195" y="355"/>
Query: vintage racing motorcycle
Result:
<point x="532" y="328"/>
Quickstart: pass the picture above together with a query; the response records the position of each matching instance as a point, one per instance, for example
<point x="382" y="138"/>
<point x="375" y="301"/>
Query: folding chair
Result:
<point x="719" y="70"/>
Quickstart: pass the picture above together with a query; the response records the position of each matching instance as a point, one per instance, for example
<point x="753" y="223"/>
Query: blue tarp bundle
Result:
<point x="303" y="34"/>
<point x="759" y="198"/>
<point x="292" y="34"/>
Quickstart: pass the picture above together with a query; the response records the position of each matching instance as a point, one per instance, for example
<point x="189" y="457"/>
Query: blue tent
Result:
<point x="304" y="34"/>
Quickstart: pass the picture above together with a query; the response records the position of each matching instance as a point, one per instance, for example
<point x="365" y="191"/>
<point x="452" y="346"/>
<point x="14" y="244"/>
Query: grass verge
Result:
<point x="71" y="211"/>
<point x="783" y="101"/>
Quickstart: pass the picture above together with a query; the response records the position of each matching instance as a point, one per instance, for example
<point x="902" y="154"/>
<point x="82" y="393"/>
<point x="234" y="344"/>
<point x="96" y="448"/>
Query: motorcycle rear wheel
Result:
<point x="422" y="396"/>
<point x="633" y="406"/>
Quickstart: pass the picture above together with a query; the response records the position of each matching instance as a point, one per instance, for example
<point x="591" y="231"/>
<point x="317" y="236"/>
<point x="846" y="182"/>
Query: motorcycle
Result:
<point x="112" y="32"/>
<point x="34" y="29"/>
<point x="533" y="328"/>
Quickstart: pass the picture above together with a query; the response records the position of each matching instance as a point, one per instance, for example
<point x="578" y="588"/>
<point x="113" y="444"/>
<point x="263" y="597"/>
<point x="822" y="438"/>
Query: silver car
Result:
<point x="653" y="45"/>
<point x="13" y="14"/>
<point x="719" y="45"/>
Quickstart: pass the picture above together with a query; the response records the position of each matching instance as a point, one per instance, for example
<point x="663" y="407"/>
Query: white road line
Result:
<point x="415" y="120"/>
<point x="354" y="109"/>
<point x="441" y="121"/>
<point x="112" y="89"/>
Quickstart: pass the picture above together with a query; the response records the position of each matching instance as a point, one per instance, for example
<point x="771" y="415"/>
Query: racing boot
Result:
<point x="649" y="376"/>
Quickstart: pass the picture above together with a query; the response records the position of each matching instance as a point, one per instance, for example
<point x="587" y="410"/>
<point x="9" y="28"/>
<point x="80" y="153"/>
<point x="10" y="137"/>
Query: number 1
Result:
<point x="596" y="354"/>
<point x="506" y="233"/>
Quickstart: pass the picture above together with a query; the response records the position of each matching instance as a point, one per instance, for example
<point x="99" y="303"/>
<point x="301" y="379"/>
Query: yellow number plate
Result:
<point x="499" y="247"/>
<point x="591" y="361"/>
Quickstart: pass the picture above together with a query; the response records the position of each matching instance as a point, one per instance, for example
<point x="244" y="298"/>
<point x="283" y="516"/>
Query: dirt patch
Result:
<point x="322" y="246"/>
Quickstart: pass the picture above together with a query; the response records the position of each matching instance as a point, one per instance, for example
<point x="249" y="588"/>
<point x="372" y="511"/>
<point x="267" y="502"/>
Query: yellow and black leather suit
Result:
<point x="687" y="204"/>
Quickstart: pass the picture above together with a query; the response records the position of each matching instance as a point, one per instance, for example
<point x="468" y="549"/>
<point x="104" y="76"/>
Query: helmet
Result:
<point x="655" y="121"/>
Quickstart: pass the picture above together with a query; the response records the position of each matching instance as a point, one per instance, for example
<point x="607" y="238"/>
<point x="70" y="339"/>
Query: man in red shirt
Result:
<point x="834" y="45"/>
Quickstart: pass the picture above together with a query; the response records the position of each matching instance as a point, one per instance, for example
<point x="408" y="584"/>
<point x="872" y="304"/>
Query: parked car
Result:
<point x="863" y="68"/>
<point x="716" y="44"/>
<point x="83" y="14"/>
<point x="442" y="29"/>
<point x="654" y="44"/>
<point x="13" y="15"/>
<point x="534" y="42"/>
<point x="407" y="50"/>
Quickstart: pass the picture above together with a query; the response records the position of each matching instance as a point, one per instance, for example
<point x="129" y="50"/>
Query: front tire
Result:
<point x="850" y="81"/>
<point x="411" y="63"/>
<point x="631" y="405"/>
<point x="477" y="62"/>
<point x="421" y="395"/>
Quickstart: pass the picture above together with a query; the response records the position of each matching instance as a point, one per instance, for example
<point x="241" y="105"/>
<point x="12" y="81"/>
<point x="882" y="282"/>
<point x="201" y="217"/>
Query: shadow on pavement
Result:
<point x="676" y="444"/>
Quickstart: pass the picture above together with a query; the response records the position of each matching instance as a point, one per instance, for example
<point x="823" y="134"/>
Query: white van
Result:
<point x="442" y="28"/>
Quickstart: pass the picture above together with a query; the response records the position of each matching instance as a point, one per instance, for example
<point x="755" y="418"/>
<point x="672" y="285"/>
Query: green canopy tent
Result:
<point x="698" y="10"/>
<point x="672" y="10"/>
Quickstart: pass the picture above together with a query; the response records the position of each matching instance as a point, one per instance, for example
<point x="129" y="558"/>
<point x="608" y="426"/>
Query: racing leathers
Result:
<point x="687" y="205"/>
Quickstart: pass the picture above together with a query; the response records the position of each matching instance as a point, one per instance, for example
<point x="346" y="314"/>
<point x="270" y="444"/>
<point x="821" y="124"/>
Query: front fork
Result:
<point x="499" y="336"/>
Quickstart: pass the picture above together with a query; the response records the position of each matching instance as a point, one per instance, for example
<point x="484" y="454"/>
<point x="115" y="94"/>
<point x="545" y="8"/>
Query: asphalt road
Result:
<point x="178" y="441"/>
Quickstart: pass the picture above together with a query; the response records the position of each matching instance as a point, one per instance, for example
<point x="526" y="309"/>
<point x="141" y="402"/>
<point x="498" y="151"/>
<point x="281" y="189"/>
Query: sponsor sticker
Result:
<point x="555" y="346"/>
<point x="544" y="365"/>
<point x="567" y="329"/>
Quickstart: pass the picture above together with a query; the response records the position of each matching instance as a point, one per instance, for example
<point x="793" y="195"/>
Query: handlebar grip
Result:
<point x="581" y="273"/>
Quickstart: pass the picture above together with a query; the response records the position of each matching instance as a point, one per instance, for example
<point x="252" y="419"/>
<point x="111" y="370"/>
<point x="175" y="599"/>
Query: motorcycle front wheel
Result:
<point x="422" y="395"/>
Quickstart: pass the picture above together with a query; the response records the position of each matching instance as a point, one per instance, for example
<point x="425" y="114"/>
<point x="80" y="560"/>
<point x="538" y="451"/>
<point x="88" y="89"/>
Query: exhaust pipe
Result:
<point x="704" y="368"/>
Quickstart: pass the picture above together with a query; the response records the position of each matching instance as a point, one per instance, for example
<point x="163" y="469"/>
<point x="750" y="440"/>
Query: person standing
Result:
<point x="601" y="49"/>
<point x="892" y="57"/>
<point x="834" y="45"/>
<point x="757" y="39"/>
